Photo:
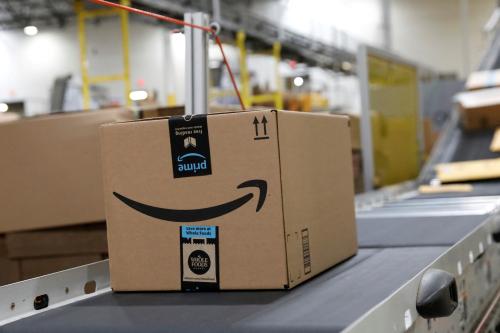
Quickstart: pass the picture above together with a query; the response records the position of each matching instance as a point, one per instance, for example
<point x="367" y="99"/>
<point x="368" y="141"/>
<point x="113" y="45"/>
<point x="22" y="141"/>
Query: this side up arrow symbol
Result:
<point x="256" y="124"/>
<point x="264" y="122"/>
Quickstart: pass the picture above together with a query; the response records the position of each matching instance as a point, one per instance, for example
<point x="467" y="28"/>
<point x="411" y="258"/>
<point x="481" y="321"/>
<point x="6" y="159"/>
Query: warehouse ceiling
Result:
<point x="19" y="13"/>
<point x="235" y="15"/>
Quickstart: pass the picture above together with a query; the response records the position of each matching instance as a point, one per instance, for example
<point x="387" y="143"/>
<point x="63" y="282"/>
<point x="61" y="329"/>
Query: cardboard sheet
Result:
<point x="449" y="188"/>
<point x="468" y="170"/>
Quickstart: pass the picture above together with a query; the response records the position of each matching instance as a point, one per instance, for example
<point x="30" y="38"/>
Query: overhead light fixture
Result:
<point x="138" y="95"/>
<point x="30" y="30"/>
<point x="298" y="81"/>
<point x="346" y="66"/>
<point x="4" y="107"/>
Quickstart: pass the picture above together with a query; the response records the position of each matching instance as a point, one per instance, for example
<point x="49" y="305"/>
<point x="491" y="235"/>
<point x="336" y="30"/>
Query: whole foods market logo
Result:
<point x="191" y="163"/>
<point x="199" y="262"/>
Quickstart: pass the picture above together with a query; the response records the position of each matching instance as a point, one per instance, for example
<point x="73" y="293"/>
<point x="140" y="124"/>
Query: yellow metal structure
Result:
<point x="83" y="15"/>
<point x="395" y="120"/>
<point x="249" y="99"/>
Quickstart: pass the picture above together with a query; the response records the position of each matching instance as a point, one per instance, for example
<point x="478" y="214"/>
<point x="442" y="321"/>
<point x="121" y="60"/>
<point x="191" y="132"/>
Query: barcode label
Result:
<point x="306" y="251"/>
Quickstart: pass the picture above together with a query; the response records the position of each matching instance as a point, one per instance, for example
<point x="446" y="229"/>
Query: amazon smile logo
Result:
<point x="199" y="214"/>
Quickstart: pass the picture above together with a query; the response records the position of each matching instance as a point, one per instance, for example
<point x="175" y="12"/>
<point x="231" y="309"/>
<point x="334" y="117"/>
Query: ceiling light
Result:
<point x="30" y="30"/>
<point x="4" y="107"/>
<point x="346" y="66"/>
<point x="298" y="81"/>
<point x="138" y="95"/>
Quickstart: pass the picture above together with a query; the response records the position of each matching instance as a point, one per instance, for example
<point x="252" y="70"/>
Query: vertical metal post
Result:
<point x="365" y="119"/>
<point x="125" y="51"/>
<point x="278" y="95"/>
<point x="79" y="8"/>
<point x="216" y="10"/>
<point x="196" y="93"/>
<point x="420" y="116"/>
<point x="464" y="25"/>
<point x="386" y="24"/>
<point x="244" y="75"/>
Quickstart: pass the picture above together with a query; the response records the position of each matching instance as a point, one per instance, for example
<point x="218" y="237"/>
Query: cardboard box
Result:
<point x="155" y="112"/>
<point x="245" y="200"/>
<point x="430" y="136"/>
<point x="483" y="79"/>
<point x="88" y="239"/>
<point x="468" y="170"/>
<point x="479" y="109"/>
<point x="447" y="188"/>
<point x="51" y="170"/>
<point x="9" y="269"/>
<point x="495" y="142"/>
<point x="355" y="132"/>
<point x="33" y="267"/>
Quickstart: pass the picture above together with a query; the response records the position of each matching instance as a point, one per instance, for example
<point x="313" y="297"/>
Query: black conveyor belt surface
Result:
<point x="328" y="303"/>
<point x="415" y="231"/>
<point x="474" y="146"/>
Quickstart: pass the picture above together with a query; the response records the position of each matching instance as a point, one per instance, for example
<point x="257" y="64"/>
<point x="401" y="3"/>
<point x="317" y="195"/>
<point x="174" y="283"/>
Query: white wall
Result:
<point x="341" y="22"/>
<point x="29" y="65"/>
<point x="429" y="31"/>
<point x="425" y="31"/>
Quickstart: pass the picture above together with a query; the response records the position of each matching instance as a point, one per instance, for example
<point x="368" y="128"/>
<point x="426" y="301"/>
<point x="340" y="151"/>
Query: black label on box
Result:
<point x="306" y="251"/>
<point x="190" y="146"/>
<point x="199" y="258"/>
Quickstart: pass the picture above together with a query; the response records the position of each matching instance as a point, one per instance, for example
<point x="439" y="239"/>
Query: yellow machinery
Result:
<point x="249" y="99"/>
<point x="394" y="109"/>
<point x="83" y="14"/>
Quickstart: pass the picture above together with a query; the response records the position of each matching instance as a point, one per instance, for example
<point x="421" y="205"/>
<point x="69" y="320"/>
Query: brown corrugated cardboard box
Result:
<point x="468" y="170"/>
<point x="495" y="142"/>
<point x="9" y="269"/>
<point x="355" y="132"/>
<point x="155" y="112"/>
<point x="33" y="267"/>
<point x="246" y="200"/>
<point x="51" y="170"/>
<point x="483" y="79"/>
<point x="78" y="240"/>
<point x="480" y="109"/>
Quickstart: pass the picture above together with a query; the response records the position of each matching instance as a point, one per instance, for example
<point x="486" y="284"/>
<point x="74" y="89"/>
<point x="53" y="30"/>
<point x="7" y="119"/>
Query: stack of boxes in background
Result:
<point x="51" y="198"/>
<point x="28" y="254"/>
<point x="479" y="107"/>
<point x="357" y="158"/>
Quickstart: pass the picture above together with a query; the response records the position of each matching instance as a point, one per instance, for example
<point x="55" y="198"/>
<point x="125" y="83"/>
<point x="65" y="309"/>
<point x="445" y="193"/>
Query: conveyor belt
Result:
<point x="328" y="303"/>
<point x="415" y="231"/>
<point x="474" y="146"/>
<point x="397" y="244"/>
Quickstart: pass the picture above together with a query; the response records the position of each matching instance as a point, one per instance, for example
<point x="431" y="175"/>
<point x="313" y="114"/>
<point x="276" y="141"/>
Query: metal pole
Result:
<point x="464" y="25"/>
<point x="196" y="93"/>
<point x="125" y="52"/>
<point x="365" y="119"/>
<point x="386" y="24"/>
<point x="82" y="39"/>
<point x="216" y="10"/>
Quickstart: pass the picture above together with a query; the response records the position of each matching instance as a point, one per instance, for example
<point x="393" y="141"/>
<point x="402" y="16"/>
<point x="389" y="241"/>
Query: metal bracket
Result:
<point x="196" y="92"/>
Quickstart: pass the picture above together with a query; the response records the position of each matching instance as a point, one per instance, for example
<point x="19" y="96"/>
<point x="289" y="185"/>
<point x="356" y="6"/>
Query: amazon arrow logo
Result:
<point x="199" y="214"/>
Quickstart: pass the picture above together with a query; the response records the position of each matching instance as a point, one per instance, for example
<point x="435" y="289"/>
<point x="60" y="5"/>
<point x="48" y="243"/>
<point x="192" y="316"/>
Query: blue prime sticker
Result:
<point x="199" y="231"/>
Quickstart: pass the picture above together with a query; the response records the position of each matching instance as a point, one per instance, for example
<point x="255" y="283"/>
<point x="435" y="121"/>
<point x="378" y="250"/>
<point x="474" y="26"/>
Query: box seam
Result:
<point x="282" y="202"/>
